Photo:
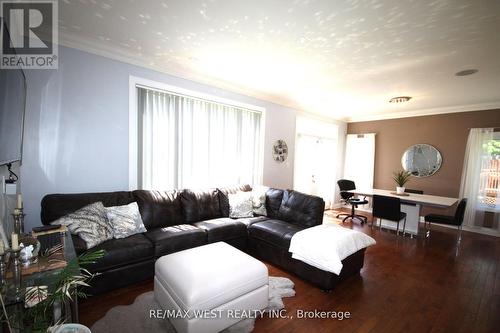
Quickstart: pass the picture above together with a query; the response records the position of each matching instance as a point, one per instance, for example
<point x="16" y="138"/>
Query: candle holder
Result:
<point x="18" y="216"/>
<point x="16" y="272"/>
<point x="3" y="269"/>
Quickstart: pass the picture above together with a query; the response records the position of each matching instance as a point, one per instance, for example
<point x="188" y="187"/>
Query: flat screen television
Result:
<point x="12" y="108"/>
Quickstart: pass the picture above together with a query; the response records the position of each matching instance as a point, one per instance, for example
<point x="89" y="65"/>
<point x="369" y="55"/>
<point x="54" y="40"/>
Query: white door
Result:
<point x="315" y="167"/>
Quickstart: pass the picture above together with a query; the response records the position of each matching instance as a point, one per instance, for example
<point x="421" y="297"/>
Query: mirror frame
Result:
<point x="439" y="159"/>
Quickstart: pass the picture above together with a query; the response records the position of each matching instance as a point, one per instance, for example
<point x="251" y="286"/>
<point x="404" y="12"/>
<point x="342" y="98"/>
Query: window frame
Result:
<point x="135" y="82"/>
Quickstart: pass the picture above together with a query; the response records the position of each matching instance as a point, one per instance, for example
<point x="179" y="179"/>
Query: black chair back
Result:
<point x="344" y="186"/>
<point x="460" y="212"/>
<point x="387" y="208"/>
<point x="414" y="191"/>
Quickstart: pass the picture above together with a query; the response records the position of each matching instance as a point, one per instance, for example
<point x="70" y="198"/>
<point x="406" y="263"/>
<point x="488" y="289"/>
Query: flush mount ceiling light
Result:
<point x="466" y="72"/>
<point x="400" y="99"/>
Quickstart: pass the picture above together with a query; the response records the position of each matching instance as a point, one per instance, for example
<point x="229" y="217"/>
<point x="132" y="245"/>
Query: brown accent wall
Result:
<point x="447" y="132"/>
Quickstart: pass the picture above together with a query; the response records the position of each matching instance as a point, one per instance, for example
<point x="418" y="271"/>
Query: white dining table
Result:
<point x="411" y="204"/>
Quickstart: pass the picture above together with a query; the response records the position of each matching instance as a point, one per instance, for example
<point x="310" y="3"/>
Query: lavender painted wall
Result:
<point x="76" y="131"/>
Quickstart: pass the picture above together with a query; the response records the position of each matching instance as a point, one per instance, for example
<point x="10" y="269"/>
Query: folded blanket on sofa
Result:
<point x="325" y="246"/>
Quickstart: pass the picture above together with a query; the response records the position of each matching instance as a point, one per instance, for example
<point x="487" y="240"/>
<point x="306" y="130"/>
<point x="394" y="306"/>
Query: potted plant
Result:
<point x="401" y="178"/>
<point x="40" y="317"/>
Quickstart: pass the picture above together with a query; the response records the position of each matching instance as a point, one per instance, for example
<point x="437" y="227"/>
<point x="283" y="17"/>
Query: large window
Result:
<point x="481" y="179"/>
<point x="189" y="142"/>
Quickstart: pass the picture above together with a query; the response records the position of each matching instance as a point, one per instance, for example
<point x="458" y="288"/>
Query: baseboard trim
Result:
<point x="477" y="230"/>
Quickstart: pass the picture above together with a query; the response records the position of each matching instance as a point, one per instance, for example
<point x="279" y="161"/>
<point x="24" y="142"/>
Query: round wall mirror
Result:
<point x="421" y="160"/>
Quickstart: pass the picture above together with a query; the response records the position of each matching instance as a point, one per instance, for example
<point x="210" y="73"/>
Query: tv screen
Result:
<point x="12" y="105"/>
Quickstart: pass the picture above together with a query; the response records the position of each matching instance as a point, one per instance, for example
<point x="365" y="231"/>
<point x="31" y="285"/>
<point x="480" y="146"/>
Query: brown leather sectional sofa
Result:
<point x="181" y="219"/>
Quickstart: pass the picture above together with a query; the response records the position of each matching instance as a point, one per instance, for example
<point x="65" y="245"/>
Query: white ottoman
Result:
<point x="216" y="277"/>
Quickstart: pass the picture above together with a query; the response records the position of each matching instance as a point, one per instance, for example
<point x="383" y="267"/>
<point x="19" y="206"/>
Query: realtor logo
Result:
<point x="29" y="33"/>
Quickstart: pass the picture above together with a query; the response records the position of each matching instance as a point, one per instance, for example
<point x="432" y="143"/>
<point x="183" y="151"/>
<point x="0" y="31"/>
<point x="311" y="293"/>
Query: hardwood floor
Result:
<point x="406" y="285"/>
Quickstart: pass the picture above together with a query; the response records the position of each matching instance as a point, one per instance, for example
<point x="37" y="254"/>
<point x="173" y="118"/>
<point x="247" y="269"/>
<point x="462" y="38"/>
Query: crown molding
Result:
<point x="425" y="112"/>
<point x="120" y="54"/>
<point x="125" y="56"/>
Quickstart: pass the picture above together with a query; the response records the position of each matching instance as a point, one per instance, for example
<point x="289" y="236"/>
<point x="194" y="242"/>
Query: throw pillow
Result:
<point x="90" y="223"/>
<point x="125" y="220"/>
<point x="259" y="201"/>
<point x="240" y="205"/>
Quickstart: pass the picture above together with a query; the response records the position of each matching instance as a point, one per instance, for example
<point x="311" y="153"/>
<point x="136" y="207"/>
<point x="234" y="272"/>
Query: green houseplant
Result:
<point x="39" y="318"/>
<point x="401" y="177"/>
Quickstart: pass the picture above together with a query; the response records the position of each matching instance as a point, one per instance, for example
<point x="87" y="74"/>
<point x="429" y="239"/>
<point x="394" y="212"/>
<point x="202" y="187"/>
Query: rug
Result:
<point x="330" y="216"/>
<point x="134" y="318"/>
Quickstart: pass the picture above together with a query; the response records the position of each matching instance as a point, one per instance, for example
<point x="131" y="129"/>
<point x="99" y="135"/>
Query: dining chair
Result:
<point x="408" y="190"/>
<point x="346" y="185"/>
<point x="388" y="208"/>
<point x="456" y="219"/>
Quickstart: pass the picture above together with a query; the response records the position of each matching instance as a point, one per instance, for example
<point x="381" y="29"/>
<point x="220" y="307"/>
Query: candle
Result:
<point x="15" y="241"/>
<point x="2" y="249"/>
<point x="19" y="201"/>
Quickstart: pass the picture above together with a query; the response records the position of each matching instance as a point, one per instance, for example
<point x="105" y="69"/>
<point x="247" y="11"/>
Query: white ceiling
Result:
<point x="343" y="59"/>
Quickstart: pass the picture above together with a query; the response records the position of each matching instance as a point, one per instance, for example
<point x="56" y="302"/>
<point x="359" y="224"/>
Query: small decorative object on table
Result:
<point x="72" y="328"/>
<point x="18" y="216"/>
<point x="16" y="271"/>
<point x="3" y="265"/>
<point x="30" y="248"/>
<point x="401" y="178"/>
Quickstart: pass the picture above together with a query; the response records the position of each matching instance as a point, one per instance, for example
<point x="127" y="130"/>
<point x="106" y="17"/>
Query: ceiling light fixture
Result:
<point x="466" y="72"/>
<point x="400" y="99"/>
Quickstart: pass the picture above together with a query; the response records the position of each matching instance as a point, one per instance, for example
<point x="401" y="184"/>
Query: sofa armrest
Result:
<point x="79" y="244"/>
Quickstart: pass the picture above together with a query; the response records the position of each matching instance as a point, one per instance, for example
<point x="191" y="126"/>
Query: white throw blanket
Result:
<point x="325" y="246"/>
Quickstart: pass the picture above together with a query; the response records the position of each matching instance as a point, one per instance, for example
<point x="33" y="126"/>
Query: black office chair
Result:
<point x="388" y="208"/>
<point x="348" y="197"/>
<point x="457" y="219"/>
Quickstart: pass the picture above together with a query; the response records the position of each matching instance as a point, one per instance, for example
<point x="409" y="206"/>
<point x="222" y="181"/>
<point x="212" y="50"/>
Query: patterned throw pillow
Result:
<point x="240" y="205"/>
<point x="259" y="201"/>
<point x="89" y="223"/>
<point x="125" y="220"/>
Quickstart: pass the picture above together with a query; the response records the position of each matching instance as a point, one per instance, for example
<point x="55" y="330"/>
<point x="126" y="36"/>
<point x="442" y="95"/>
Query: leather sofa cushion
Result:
<point x="273" y="202"/>
<point x="79" y="244"/>
<point x="55" y="206"/>
<point x="176" y="238"/>
<point x="222" y="229"/>
<point x="302" y="209"/>
<point x="123" y="251"/>
<point x="276" y="232"/>
<point x="159" y="208"/>
<point x="200" y="205"/>
<point x="224" y="196"/>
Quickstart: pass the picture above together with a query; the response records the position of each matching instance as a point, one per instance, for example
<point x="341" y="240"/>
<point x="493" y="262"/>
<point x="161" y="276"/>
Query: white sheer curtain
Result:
<point x="359" y="163"/>
<point x="187" y="142"/>
<point x="480" y="181"/>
